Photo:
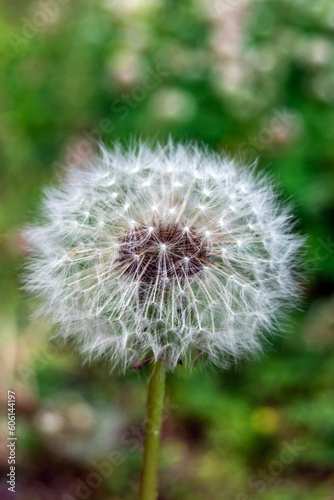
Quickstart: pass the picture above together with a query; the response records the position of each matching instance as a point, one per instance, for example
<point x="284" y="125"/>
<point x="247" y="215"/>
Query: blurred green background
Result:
<point x="254" y="78"/>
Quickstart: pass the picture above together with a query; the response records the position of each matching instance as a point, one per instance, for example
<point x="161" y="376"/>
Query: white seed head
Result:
<point x="168" y="269"/>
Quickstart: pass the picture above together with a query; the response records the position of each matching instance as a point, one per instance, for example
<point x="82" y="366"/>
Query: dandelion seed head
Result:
<point x="168" y="252"/>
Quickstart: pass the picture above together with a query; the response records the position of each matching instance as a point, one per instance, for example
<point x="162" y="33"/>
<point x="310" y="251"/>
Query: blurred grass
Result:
<point x="253" y="78"/>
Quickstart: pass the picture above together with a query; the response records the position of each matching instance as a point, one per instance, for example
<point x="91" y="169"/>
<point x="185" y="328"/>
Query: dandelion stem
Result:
<point x="156" y="392"/>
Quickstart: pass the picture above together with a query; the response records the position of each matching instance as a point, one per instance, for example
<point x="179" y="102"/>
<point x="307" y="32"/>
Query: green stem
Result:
<point x="156" y="392"/>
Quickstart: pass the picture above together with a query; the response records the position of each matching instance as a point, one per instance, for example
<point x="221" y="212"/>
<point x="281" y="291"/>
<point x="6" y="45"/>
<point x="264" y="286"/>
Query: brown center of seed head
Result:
<point x="162" y="253"/>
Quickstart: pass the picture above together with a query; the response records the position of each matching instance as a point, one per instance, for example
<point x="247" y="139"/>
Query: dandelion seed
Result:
<point x="165" y="276"/>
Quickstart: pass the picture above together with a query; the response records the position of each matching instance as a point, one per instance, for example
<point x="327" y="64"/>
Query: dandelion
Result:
<point x="168" y="254"/>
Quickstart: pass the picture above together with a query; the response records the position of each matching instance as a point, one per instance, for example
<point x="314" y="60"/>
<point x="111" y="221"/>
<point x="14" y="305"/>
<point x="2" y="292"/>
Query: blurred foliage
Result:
<point x="255" y="78"/>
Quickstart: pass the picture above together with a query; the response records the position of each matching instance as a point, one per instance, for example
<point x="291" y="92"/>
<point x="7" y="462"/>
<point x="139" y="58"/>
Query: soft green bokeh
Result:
<point x="253" y="78"/>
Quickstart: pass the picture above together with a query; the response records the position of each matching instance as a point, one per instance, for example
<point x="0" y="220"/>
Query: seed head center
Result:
<point x="162" y="253"/>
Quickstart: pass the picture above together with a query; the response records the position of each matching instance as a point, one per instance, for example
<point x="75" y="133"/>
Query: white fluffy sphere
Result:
<point x="166" y="252"/>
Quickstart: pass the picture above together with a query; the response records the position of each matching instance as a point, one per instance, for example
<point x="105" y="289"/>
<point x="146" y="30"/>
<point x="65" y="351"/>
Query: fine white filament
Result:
<point x="166" y="252"/>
